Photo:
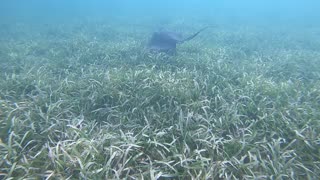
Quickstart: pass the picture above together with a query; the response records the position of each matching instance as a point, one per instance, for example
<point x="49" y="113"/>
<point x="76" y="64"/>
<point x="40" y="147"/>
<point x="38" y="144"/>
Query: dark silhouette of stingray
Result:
<point x="166" y="41"/>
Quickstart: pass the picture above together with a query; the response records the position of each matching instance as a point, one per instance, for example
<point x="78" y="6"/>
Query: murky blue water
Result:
<point x="253" y="11"/>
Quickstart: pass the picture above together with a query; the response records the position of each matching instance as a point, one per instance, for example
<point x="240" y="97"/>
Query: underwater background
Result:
<point x="82" y="97"/>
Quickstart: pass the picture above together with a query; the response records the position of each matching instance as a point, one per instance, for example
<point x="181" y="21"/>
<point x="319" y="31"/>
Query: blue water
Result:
<point x="245" y="11"/>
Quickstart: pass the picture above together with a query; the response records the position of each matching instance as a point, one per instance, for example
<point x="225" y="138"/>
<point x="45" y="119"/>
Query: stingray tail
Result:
<point x="194" y="35"/>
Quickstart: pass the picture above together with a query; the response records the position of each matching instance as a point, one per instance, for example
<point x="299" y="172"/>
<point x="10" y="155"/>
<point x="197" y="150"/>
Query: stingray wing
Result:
<point x="173" y="35"/>
<point x="163" y="40"/>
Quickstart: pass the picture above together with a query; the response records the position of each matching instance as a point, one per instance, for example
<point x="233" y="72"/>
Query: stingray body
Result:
<point x="166" y="41"/>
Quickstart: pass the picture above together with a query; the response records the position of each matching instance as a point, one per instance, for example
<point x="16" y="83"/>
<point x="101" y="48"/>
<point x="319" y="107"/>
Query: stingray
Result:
<point x="166" y="41"/>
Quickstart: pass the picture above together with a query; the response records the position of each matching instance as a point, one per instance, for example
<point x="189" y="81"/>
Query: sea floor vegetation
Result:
<point x="87" y="101"/>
